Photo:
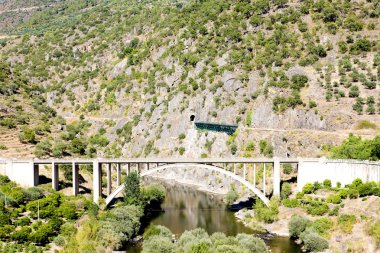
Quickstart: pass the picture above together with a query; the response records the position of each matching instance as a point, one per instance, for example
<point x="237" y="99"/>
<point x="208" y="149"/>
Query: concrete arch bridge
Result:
<point x="26" y="172"/>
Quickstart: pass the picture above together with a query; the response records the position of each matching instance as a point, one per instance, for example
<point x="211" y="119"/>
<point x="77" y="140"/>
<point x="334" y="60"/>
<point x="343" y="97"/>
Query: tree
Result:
<point x="132" y="192"/>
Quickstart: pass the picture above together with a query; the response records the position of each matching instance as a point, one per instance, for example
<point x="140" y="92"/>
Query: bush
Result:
<point x="251" y="243"/>
<point x="317" y="208"/>
<point x="287" y="168"/>
<point x="158" y="244"/>
<point x="157" y="230"/>
<point x="231" y="196"/>
<point x="334" y="198"/>
<point x="291" y="203"/>
<point x="327" y="183"/>
<point x="152" y="195"/>
<point x="343" y="193"/>
<point x="374" y="231"/>
<point x="313" y="241"/>
<point x="27" y="135"/>
<point x="308" y="188"/>
<point x="297" y="225"/>
<point x="267" y="214"/>
<point x="322" y="226"/>
<point x="67" y="210"/>
<point x="353" y="193"/>
<point x="346" y="222"/>
<point x="286" y="190"/>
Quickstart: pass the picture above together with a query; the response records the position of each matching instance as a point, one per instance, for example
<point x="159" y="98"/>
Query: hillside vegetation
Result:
<point x="122" y="78"/>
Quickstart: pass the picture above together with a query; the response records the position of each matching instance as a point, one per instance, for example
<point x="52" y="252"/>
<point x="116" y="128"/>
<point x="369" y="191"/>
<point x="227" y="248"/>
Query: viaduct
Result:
<point x="26" y="172"/>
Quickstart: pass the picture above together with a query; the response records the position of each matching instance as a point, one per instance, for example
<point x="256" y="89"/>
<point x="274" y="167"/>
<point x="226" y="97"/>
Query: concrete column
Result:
<point x="118" y="173"/>
<point x="254" y="174"/>
<point x="75" y="179"/>
<point x="235" y="168"/>
<point x="36" y="172"/>
<point x="244" y="170"/>
<point x="147" y="166"/>
<point x="264" y="183"/>
<point x="128" y="168"/>
<point x="276" y="177"/>
<point x="157" y="164"/>
<point x="96" y="177"/>
<point x="54" y="176"/>
<point x="109" y="181"/>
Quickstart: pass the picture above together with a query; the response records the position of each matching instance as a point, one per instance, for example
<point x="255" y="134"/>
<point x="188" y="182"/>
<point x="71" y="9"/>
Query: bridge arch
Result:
<point x="244" y="182"/>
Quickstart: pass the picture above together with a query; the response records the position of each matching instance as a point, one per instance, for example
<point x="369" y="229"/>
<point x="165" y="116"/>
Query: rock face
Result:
<point x="264" y="117"/>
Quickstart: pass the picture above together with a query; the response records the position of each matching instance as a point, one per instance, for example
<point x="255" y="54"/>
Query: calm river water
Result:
<point x="186" y="208"/>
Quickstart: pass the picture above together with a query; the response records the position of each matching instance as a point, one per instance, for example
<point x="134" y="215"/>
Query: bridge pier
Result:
<point x="254" y="174"/>
<point x="55" y="176"/>
<point x="244" y="170"/>
<point x="264" y="183"/>
<point x="75" y="178"/>
<point x="96" y="181"/>
<point x="109" y="179"/>
<point x="36" y="173"/>
<point x="276" y="177"/>
<point x="235" y="168"/>
<point x="118" y="174"/>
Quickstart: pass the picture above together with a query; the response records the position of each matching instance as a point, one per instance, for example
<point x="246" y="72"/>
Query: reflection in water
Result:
<point x="186" y="208"/>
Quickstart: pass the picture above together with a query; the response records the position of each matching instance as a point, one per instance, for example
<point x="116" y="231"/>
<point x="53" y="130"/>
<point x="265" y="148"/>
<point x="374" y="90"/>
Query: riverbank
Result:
<point x="340" y="239"/>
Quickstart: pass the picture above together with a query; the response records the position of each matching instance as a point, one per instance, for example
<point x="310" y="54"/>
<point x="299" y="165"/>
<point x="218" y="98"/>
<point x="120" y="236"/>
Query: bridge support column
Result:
<point x="54" y="176"/>
<point x="264" y="183"/>
<point x="96" y="177"/>
<point x="109" y="181"/>
<point x="254" y="174"/>
<point x="276" y="177"/>
<point x="235" y="168"/>
<point x="36" y="172"/>
<point x="244" y="170"/>
<point x="75" y="178"/>
<point x="128" y="168"/>
<point x="118" y="174"/>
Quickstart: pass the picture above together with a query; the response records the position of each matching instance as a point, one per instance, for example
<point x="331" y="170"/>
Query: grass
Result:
<point x="364" y="124"/>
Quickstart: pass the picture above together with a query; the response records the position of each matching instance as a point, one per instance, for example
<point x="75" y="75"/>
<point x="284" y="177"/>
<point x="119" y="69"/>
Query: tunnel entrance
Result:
<point x="192" y="118"/>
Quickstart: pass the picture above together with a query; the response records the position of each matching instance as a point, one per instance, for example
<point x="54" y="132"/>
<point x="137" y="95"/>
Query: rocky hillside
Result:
<point x="123" y="78"/>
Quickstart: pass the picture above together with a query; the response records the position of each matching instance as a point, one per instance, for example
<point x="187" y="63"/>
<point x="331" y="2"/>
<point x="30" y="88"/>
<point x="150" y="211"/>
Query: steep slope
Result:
<point x="295" y="76"/>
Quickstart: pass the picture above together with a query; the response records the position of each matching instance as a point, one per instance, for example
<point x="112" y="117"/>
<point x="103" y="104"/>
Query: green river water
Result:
<point x="186" y="208"/>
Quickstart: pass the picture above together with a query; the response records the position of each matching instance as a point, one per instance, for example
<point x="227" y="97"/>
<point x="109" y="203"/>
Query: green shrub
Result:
<point x="297" y="225"/>
<point x="334" y="211"/>
<point x="353" y="193"/>
<point x="308" y="188"/>
<point x="322" y="226"/>
<point x="317" y="208"/>
<point x="27" y="135"/>
<point x="287" y="168"/>
<point x="291" y="203"/>
<point x="343" y="193"/>
<point x="374" y="231"/>
<point x="286" y="190"/>
<point x="313" y="241"/>
<point x="267" y="214"/>
<point x="231" y="196"/>
<point x="346" y="222"/>
<point x="334" y="198"/>
<point x="327" y="183"/>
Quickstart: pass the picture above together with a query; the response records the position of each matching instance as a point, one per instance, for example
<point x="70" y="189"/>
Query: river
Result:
<point x="186" y="208"/>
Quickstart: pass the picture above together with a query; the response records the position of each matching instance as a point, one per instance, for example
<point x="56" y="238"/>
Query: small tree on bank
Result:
<point x="132" y="194"/>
